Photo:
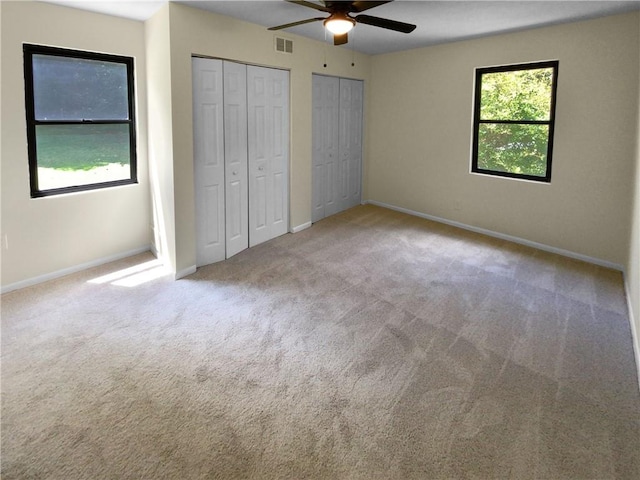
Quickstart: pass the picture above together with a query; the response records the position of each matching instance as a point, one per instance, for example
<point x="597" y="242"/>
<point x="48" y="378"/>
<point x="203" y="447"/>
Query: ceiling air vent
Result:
<point x="284" y="45"/>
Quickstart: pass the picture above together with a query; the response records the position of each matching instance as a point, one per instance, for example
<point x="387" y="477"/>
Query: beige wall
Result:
<point x="633" y="263"/>
<point x="420" y="136"/>
<point x="51" y="234"/>
<point x="195" y="32"/>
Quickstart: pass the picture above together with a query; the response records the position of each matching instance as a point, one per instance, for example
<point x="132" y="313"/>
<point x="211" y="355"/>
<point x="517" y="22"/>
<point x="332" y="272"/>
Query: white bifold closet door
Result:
<point x="337" y="145"/>
<point x="241" y="145"/>
<point x="268" y="107"/>
<point x="235" y="156"/>
<point x="326" y="117"/>
<point x="350" y="145"/>
<point x="208" y="154"/>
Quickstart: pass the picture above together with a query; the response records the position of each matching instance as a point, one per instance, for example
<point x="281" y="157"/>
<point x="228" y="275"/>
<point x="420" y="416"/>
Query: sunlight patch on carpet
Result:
<point x="133" y="276"/>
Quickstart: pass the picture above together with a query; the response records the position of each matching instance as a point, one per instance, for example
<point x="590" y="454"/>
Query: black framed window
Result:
<point x="514" y="118"/>
<point x="80" y="120"/>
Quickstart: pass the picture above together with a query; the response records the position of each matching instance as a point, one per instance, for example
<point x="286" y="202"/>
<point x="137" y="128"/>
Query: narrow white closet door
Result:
<point x="344" y="143"/>
<point x="235" y="152"/>
<point x="318" y="173"/>
<point x="355" y="149"/>
<point x="208" y="160"/>
<point x="268" y="150"/>
<point x="325" y="146"/>
<point x="350" y="168"/>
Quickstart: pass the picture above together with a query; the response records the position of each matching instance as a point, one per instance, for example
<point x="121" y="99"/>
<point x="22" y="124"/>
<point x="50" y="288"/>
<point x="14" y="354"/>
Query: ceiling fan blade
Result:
<point x="301" y="22"/>
<point x="316" y="6"/>
<point x="340" y="39"/>
<point x="385" y="23"/>
<point x="362" y="6"/>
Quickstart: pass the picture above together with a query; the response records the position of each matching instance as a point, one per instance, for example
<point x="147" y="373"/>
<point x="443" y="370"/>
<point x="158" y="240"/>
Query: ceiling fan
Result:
<point x="340" y="22"/>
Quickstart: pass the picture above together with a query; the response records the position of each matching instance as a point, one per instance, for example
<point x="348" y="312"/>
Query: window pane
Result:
<point x="76" y="89"/>
<point x="71" y="155"/>
<point x="519" y="95"/>
<point x="513" y="148"/>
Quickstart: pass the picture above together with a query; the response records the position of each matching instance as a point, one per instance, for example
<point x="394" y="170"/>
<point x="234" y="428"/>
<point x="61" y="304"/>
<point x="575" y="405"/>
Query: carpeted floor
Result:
<point x="373" y="345"/>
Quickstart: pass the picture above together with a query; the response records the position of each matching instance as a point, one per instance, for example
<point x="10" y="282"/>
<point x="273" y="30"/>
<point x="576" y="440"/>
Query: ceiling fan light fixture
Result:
<point x="339" y="23"/>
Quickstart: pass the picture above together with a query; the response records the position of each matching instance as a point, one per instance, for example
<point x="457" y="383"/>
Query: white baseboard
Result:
<point x="299" y="228"/>
<point x="76" y="268"/>
<point x="502" y="236"/>
<point x="634" y="330"/>
<point x="539" y="246"/>
<point x="184" y="272"/>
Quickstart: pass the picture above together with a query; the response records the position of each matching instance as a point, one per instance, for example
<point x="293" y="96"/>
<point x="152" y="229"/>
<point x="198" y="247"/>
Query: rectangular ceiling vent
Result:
<point x="284" y="45"/>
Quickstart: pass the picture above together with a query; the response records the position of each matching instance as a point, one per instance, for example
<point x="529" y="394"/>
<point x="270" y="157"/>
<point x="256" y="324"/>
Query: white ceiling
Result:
<point x="438" y="21"/>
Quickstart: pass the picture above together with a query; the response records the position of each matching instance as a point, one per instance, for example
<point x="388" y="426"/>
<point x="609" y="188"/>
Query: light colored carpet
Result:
<point x="372" y="345"/>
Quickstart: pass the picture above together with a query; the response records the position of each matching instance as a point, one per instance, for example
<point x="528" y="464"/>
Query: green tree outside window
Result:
<point x="514" y="120"/>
